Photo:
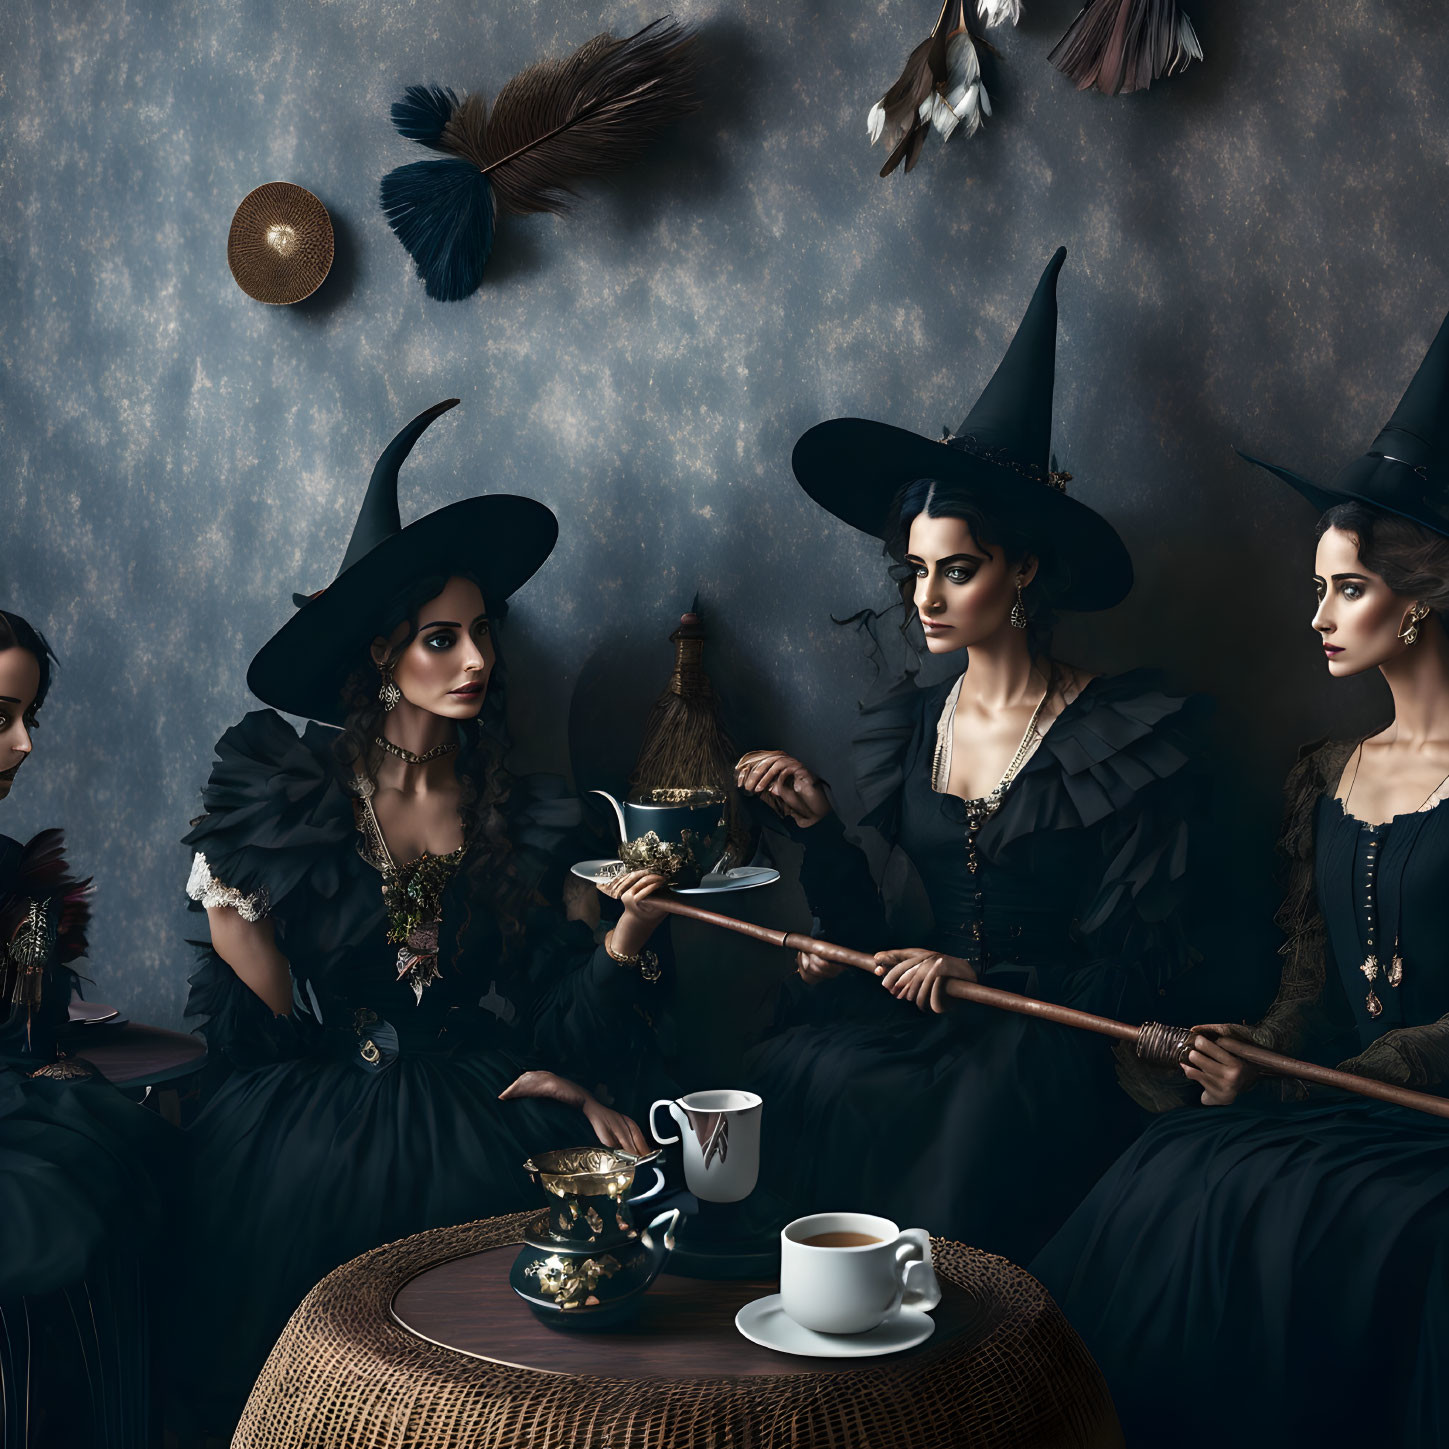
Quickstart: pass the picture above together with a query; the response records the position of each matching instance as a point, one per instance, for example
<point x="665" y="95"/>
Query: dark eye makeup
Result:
<point x="954" y="573"/>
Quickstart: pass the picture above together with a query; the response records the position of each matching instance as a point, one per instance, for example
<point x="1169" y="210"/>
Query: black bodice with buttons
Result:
<point x="1073" y="883"/>
<point x="1381" y="892"/>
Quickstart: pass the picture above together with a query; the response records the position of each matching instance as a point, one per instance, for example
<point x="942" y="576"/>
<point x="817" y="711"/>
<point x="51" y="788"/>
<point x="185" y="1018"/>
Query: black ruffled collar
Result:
<point x="1119" y="735"/>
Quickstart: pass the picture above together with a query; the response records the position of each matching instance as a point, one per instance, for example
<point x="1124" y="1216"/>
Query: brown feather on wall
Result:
<point x="1117" y="46"/>
<point x="552" y="126"/>
<point x="940" y="87"/>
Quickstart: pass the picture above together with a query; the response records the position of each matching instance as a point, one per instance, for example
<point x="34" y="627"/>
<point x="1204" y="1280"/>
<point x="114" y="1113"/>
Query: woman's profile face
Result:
<point x="964" y="590"/>
<point x="445" y="669"/>
<point x="19" y="680"/>
<point x="1359" y="617"/>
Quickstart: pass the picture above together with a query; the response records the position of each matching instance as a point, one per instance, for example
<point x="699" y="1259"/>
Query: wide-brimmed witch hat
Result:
<point x="1000" y="455"/>
<point x="500" y="540"/>
<point x="1406" y="471"/>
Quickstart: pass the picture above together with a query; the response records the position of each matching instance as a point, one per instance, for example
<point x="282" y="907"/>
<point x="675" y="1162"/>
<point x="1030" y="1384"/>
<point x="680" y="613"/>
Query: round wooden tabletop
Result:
<point x="134" y="1055"/>
<point x="685" y="1328"/>
<point x="423" y="1342"/>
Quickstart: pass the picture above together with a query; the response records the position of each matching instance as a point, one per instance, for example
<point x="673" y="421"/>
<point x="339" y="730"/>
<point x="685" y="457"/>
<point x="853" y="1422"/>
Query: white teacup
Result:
<point x="870" y="1271"/>
<point x="721" y="1134"/>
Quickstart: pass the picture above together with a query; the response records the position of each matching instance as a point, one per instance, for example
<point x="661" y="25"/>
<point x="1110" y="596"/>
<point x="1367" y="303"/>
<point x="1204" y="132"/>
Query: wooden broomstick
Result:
<point x="1156" y="1044"/>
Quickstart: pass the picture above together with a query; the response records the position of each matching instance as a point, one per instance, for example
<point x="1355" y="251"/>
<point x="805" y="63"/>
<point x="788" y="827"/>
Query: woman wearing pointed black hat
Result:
<point x="1275" y="1269"/>
<point x="82" y="1170"/>
<point x="406" y="1014"/>
<point x="1043" y="809"/>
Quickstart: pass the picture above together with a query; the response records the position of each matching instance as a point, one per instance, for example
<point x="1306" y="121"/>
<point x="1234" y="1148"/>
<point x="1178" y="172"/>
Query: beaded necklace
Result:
<point x="1371" y="968"/>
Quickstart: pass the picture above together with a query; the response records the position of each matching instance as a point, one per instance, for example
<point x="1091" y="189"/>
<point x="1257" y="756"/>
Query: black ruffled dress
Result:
<point x="980" y="1125"/>
<point x="1276" y="1272"/>
<point x="81" y="1174"/>
<point x="371" y="1112"/>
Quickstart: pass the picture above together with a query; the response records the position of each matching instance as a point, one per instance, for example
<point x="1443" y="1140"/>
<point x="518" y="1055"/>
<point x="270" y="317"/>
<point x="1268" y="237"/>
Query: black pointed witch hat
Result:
<point x="1000" y="454"/>
<point x="1406" y="471"/>
<point x="499" y="539"/>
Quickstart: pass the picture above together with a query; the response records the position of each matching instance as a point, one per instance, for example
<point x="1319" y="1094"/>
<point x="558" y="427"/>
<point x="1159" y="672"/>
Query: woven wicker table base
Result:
<point x="1004" y="1368"/>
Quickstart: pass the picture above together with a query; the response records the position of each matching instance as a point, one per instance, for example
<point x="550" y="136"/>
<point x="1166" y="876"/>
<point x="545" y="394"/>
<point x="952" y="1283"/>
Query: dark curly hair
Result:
<point x="1411" y="559"/>
<point x="18" y="633"/>
<point x="481" y="764"/>
<point x="1013" y="536"/>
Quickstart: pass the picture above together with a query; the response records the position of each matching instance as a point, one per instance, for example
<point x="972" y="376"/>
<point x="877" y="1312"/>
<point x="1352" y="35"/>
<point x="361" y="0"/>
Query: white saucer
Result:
<point x="741" y="878"/>
<point x="765" y="1322"/>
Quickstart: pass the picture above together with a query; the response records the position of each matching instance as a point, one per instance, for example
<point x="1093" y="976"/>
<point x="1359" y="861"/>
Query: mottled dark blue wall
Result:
<point x="1257" y="255"/>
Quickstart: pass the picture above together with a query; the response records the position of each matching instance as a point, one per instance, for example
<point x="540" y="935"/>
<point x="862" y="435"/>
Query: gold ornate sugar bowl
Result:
<point x="584" y="1264"/>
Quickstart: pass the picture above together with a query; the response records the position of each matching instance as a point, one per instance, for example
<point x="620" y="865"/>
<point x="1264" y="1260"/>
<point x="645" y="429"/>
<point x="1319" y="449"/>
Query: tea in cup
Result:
<point x="848" y="1272"/>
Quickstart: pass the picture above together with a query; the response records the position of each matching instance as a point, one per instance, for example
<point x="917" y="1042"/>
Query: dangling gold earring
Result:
<point x="389" y="694"/>
<point x="1018" y="610"/>
<point x="1410" y="632"/>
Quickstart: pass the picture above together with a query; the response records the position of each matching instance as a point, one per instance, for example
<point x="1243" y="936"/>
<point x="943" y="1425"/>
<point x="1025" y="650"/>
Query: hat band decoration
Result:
<point x="1422" y="469"/>
<point x="999" y="458"/>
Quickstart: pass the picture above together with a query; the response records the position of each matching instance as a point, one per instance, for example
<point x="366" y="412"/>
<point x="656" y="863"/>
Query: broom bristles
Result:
<point x="686" y="745"/>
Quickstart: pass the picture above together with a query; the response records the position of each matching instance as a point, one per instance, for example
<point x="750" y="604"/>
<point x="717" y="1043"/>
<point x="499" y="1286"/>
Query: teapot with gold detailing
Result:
<point x="682" y="834"/>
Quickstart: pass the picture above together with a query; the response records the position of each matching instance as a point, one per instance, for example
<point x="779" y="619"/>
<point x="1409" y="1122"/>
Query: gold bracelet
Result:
<point x="646" y="961"/>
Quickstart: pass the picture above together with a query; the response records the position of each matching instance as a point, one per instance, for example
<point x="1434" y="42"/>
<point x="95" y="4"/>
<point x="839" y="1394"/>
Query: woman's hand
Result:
<point x="813" y="969"/>
<point x="1220" y="1074"/>
<point x="791" y="790"/>
<point x="613" y="1129"/>
<point x="918" y="975"/>
<point x="546" y="1086"/>
<point x="633" y="890"/>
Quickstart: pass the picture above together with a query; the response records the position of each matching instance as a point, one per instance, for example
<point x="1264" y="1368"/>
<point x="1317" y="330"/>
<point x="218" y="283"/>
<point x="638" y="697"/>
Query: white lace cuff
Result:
<point x="202" y="886"/>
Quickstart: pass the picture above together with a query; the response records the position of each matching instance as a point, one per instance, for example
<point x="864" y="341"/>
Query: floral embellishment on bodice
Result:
<point x="412" y="893"/>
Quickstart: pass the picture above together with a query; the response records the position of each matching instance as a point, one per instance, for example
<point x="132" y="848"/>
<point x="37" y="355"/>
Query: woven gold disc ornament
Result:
<point x="280" y="245"/>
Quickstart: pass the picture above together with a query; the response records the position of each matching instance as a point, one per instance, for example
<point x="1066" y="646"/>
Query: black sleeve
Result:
<point x="836" y="878"/>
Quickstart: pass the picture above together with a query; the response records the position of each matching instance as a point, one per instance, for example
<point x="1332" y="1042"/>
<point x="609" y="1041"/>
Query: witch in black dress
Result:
<point x="1044" y="811"/>
<point x="407" y="1012"/>
<point x="81" y="1168"/>
<point x="1273" y="1268"/>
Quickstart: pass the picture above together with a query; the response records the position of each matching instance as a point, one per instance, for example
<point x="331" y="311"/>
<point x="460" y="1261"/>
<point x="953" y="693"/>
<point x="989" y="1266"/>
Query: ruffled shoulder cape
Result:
<point x="38" y="872"/>
<point x="277" y="815"/>
<point x="278" y="838"/>
<point x="1120" y="737"/>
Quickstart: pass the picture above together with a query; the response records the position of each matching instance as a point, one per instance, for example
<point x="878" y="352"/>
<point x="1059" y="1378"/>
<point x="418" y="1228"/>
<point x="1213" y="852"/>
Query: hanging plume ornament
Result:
<point x="551" y="126"/>
<point x="999" y="12"/>
<point x="940" y="86"/>
<point x="1124" y="45"/>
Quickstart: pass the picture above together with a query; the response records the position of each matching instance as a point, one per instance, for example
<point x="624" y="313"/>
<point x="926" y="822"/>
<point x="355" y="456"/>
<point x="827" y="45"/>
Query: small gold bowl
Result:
<point x="585" y="1171"/>
<point x="280" y="246"/>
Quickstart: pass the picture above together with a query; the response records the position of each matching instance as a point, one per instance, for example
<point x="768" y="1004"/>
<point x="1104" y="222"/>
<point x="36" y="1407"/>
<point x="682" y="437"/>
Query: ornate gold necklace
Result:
<point x="407" y="756"/>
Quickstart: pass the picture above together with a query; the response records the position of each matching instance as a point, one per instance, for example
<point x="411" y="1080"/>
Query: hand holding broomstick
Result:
<point x="1201" y="1049"/>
